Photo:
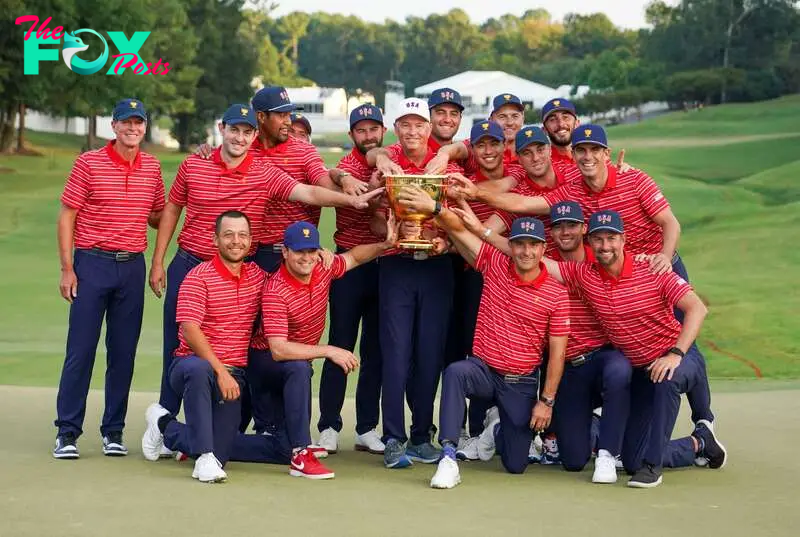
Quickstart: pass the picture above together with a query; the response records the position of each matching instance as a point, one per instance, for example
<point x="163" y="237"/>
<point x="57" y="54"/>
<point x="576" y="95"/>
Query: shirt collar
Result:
<point x="433" y="144"/>
<point x="294" y="282"/>
<point x="509" y="157"/>
<point x="588" y="253"/>
<point x="480" y="177"/>
<point x="556" y="155"/>
<point x="226" y="273"/>
<point x="359" y="156"/>
<point x="405" y="163"/>
<point x="535" y="283"/>
<point x="611" y="181"/>
<point x="627" y="269"/>
<point x="280" y="148"/>
<point x="241" y="169"/>
<point x="117" y="158"/>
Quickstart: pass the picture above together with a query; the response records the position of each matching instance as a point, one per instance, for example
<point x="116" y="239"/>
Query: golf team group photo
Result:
<point x="522" y="281"/>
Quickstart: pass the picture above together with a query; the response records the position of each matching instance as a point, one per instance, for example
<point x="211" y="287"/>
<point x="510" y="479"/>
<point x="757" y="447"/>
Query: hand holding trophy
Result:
<point x="413" y="200"/>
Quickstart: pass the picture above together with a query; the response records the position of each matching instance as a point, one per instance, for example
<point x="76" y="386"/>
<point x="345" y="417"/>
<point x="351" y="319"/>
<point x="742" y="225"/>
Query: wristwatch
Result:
<point x="548" y="401"/>
<point x="486" y="233"/>
<point x="676" y="351"/>
<point x="437" y="208"/>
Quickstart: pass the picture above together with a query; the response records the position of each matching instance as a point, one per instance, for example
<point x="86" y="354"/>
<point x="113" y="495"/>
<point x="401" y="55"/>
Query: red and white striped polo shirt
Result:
<point x="207" y="188"/>
<point x="301" y="161"/>
<point x="562" y="162"/>
<point x="633" y="194"/>
<point x="295" y="310"/>
<point x="585" y="332"/>
<point x="398" y="156"/>
<point x="516" y="318"/>
<point x="114" y="199"/>
<point x="635" y="310"/>
<point x="225" y="306"/>
<point x="484" y="211"/>
<point x="352" y="225"/>
<point x="528" y="187"/>
<point x="471" y="165"/>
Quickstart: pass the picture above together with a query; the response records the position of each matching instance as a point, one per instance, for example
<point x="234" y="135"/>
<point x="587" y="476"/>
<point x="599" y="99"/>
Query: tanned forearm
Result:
<point x="199" y="344"/>
<point x="166" y="229"/>
<point x="555" y="365"/>
<point x="66" y="232"/>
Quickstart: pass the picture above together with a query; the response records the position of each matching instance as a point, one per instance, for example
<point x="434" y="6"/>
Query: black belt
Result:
<point x="118" y="256"/>
<point x="580" y="360"/>
<point x="274" y="247"/>
<point x="190" y="256"/>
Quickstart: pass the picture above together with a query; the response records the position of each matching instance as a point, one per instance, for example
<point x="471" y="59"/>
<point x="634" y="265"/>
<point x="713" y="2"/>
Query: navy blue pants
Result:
<point x="466" y="300"/>
<point x="415" y="302"/>
<point x="212" y="424"/>
<point x="514" y="395"/>
<point x="114" y="290"/>
<point x="606" y="374"/>
<point x="268" y="257"/>
<point x="283" y="391"/>
<point x="353" y="300"/>
<point x="180" y="266"/>
<point x="654" y="409"/>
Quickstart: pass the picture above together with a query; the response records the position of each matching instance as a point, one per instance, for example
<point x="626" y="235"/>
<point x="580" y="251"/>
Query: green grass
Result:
<point x="737" y="203"/>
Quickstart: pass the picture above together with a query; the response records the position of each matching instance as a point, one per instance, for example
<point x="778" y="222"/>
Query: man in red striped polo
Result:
<point x="217" y="306"/>
<point x="233" y="178"/>
<point x="415" y="301"/>
<point x="446" y="109"/>
<point x="559" y="120"/>
<point x="293" y="308"/>
<point x="522" y="310"/>
<point x="634" y="307"/>
<point x="110" y="197"/>
<point x="354" y="300"/>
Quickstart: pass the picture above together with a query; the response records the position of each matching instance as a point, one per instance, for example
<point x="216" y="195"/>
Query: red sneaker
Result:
<point x="318" y="452"/>
<point x="304" y="464"/>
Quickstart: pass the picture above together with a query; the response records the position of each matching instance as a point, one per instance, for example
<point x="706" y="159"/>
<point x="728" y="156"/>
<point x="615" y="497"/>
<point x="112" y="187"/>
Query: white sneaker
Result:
<point x="605" y="468"/>
<point x="329" y="439"/>
<point x="536" y="451"/>
<point x="153" y="440"/>
<point x="207" y="469"/>
<point x="165" y="453"/>
<point x="486" y="445"/>
<point x="469" y="452"/>
<point x="447" y="475"/>
<point x="370" y="442"/>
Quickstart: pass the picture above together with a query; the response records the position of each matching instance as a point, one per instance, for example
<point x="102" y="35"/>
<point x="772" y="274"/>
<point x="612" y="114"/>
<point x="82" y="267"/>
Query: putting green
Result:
<point x="754" y="495"/>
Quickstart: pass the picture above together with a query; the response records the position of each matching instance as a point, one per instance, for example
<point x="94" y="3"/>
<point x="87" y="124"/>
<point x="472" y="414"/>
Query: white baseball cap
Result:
<point x="413" y="107"/>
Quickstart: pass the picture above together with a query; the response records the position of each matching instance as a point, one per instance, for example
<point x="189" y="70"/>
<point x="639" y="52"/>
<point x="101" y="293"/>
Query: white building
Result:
<point x="478" y="88"/>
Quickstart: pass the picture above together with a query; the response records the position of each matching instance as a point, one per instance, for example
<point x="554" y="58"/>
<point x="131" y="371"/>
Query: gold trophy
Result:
<point x="435" y="186"/>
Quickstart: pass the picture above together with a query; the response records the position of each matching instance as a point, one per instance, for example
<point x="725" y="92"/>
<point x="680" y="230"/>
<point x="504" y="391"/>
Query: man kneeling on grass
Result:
<point x="217" y="306"/>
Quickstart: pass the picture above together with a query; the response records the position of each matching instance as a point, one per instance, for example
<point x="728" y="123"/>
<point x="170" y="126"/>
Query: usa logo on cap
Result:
<point x="564" y="209"/>
<point x="448" y="95"/>
<point x="604" y="218"/>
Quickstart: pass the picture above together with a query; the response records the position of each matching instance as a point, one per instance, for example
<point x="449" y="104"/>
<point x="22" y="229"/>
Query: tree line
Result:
<point x="704" y="51"/>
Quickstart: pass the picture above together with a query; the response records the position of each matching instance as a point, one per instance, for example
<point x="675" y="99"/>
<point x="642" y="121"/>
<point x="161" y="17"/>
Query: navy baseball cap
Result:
<point x="530" y="134"/>
<point x="555" y="105"/>
<point x="300" y="118"/>
<point x="445" y="96"/>
<point x="606" y="221"/>
<point x="301" y="236"/>
<point x="365" y="112"/>
<point x="129" y="108"/>
<point x="486" y="128"/>
<point x="566" y="211"/>
<point x="589" y="134"/>
<point x="504" y="99"/>
<point x="527" y="227"/>
<point x="273" y="99"/>
<point x="239" y="113"/>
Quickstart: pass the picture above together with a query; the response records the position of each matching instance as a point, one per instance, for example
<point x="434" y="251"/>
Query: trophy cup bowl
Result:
<point x="435" y="186"/>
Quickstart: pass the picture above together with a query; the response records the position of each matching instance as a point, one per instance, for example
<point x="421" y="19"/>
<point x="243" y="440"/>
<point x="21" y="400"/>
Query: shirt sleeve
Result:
<point x="559" y="194"/>
<point x="79" y="185"/>
<point x="673" y="287"/>
<point x="158" y="198"/>
<point x="178" y="192"/>
<point x="559" y="318"/>
<point x="650" y="196"/>
<point x="517" y="172"/>
<point x="487" y="257"/>
<point x="570" y="273"/>
<point x="280" y="184"/>
<point x="314" y="166"/>
<point x="339" y="267"/>
<point x="274" y="315"/>
<point x="192" y="300"/>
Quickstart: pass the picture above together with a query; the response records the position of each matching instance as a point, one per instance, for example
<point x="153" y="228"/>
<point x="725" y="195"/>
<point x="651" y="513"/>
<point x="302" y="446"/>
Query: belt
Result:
<point x="118" y="256"/>
<point x="236" y="370"/>
<point x="274" y="247"/>
<point x="580" y="360"/>
<point x="189" y="255"/>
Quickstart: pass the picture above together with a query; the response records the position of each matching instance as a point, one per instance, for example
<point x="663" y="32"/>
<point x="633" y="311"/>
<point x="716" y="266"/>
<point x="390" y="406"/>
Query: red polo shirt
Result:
<point x="484" y="211"/>
<point x="225" y="306"/>
<point x="301" y="161"/>
<point x="296" y="310"/>
<point x="471" y="164"/>
<point x="207" y="188"/>
<point x="528" y="187"/>
<point x="352" y="225"/>
<point x="516" y="318"/>
<point x="635" y="310"/>
<point x="585" y="332"/>
<point x="114" y="198"/>
<point x="562" y="161"/>
<point x="633" y="194"/>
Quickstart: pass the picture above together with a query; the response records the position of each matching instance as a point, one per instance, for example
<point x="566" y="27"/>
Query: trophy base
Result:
<point x="420" y="245"/>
